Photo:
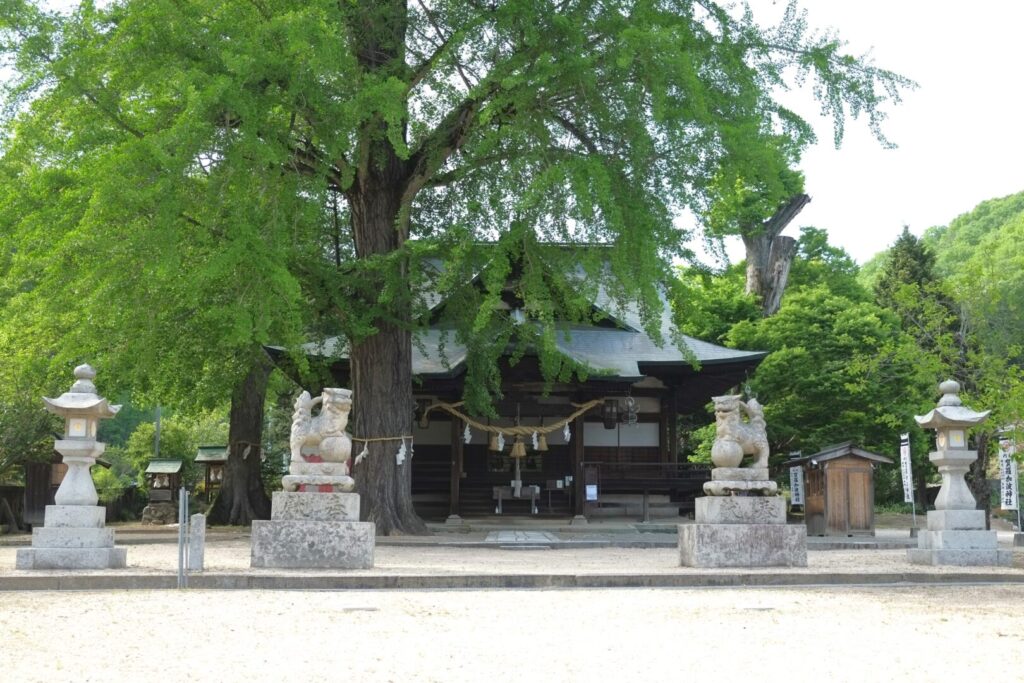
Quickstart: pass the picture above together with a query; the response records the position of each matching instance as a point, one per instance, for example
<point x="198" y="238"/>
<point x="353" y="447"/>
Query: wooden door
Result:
<point x="861" y="497"/>
<point x="837" y="501"/>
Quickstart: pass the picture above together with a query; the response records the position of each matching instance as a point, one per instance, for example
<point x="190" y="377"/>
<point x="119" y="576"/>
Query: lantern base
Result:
<point x="958" y="538"/>
<point x="73" y="537"/>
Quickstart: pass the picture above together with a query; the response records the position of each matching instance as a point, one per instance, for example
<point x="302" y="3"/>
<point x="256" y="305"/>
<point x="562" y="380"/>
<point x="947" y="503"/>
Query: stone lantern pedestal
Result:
<point x="74" y="534"/>
<point x="956" y="532"/>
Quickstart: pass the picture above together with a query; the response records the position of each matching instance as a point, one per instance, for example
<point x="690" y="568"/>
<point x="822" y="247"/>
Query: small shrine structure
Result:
<point x="839" y="496"/>
<point x="212" y="459"/>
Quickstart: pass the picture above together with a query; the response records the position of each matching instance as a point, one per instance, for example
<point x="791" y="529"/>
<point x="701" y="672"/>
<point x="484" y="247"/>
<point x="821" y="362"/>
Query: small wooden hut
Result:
<point x="839" y="496"/>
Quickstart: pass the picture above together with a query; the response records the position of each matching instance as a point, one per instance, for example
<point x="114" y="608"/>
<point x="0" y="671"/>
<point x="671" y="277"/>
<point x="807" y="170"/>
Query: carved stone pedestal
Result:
<point x="72" y="537"/>
<point x="309" y="530"/>
<point x="742" y="531"/>
<point x="958" y="538"/>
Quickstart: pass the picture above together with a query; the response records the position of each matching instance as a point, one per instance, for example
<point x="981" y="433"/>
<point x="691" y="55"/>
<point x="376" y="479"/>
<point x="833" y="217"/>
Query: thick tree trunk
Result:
<point x="241" y="498"/>
<point x="382" y="363"/>
<point x="769" y="255"/>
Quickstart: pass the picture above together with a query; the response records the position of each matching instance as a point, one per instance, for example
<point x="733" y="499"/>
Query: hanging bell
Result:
<point x="542" y="443"/>
<point x="518" y="448"/>
<point x="493" y="443"/>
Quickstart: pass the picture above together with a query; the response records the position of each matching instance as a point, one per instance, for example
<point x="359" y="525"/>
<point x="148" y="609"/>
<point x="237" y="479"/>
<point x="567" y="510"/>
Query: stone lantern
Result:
<point x="956" y="532"/>
<point x="82" y="409"/>
<point x="73" y="535"/>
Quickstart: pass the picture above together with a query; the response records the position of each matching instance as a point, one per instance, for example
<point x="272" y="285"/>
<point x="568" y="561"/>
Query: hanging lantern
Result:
<point x="610" y="413"/>
<point x="518" y="448"/>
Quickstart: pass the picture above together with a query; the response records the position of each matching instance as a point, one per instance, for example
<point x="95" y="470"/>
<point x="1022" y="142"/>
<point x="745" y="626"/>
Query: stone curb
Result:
<point x="489" y="581"/>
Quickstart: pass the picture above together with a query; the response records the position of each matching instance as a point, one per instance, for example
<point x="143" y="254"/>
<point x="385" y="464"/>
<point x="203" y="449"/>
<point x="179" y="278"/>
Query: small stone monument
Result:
<point x="314" y="522"/>
<point x="74" y="534"/>
<point x="956" y="528"/>
<point x="742" y="520"/>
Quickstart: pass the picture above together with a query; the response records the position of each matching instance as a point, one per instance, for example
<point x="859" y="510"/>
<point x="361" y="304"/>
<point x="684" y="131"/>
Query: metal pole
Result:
<point x="156" y="436"/>
<point x="1016" y="480"/>
<point x="182" y="538"/>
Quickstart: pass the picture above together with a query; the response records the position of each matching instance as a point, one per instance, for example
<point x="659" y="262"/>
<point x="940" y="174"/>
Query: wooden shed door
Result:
<point x="859" y="483"/>
<point x="837" y="499"/>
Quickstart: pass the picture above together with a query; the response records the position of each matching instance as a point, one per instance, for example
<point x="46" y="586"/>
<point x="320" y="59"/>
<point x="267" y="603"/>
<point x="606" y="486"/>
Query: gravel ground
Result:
<point x="832" y="634"/>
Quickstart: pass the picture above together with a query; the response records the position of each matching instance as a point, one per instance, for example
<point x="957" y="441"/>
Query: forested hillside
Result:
<point x="855" y="352"/>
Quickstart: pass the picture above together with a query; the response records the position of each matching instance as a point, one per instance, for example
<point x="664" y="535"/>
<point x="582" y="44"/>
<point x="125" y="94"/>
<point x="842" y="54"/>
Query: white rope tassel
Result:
<point x="363" y="453"/>
<point x="535" y="444"/>
<point x="467" y="435"/>
<point x="400" y="455"/>
<point x="566" y="433"/>
<point x="501" y="441"/>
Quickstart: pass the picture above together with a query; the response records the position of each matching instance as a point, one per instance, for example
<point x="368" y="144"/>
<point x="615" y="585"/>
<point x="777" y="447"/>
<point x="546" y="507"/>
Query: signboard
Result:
<point x="1007" y="476"/>
<point x="796" y="485"/>
<point x="908" y="475"/>
<point x="591" y="492"/>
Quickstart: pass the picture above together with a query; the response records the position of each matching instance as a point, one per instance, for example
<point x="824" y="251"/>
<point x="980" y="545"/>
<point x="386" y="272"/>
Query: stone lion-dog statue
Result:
<point x="735" y="437"/>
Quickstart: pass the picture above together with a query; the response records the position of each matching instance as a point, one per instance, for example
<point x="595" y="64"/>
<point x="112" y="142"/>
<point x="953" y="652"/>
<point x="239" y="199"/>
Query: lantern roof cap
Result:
<point x="82" y="397"/>
<point x="951" y="412"/>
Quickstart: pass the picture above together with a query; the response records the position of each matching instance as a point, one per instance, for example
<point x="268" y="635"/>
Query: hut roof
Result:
<point x="840" y="450"/>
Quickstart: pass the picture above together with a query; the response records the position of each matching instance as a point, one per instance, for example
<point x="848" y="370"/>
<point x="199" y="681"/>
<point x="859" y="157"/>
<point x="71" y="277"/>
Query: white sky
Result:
<point x="960" y="134"/>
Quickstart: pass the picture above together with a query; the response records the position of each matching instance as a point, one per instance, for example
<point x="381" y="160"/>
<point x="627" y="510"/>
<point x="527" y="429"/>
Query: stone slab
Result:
<point x="739" y="474"/>
<point x="196" y="543"/>
<point x="305" y="544"/>
<point x="740" y="510"/>
<point x="70" y="537"/>
<point x="958" y="540"/>
<point x="292" y="482"/>
<point x="71" y="558"/>
<point x="743" y="545"/>
<point x="319" y="507"/>
<point x="79" y="516"/>
<point x="961" y="558"/>
<point x="1018" y="540"/>
<point x="729" y="487"/>
<point x="940" y="520"/>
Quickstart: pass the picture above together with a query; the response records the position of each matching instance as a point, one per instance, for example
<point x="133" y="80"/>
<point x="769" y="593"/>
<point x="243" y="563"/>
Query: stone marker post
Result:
<point x="196" y="542"/>
<point x="956" y="528"/>
<point x="73" y="534"/>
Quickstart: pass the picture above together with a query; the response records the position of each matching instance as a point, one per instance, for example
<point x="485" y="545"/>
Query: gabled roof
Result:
<point x="163" y="467"/>
<point x="614" y="352"/>
<point x="841" y="450"/>
<point x="212" y="454"/>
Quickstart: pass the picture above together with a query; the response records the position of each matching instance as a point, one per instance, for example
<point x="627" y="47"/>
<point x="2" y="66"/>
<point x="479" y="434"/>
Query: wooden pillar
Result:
<point x="672" y="432"/>
<point x="456" y="474"/>
<point x="576" y="454"/>
<point x="663" y="421"/>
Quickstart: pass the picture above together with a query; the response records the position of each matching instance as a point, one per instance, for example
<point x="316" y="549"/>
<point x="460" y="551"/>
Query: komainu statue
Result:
<point x="321" y="449"/>
<point x="735" y="437"/>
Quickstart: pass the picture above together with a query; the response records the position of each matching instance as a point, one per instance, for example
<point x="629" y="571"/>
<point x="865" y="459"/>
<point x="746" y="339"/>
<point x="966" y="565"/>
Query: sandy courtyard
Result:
<point x="819" y="634"/>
